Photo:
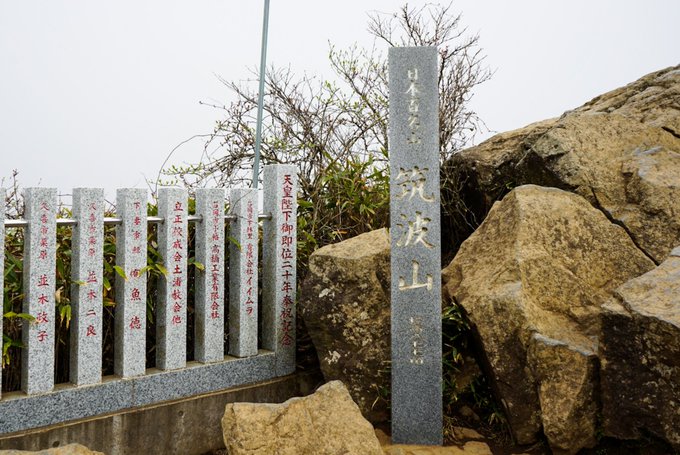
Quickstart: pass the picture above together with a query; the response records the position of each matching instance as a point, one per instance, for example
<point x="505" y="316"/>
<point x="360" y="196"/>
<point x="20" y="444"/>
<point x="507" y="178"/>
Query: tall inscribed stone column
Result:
<point x="416" y="246"/>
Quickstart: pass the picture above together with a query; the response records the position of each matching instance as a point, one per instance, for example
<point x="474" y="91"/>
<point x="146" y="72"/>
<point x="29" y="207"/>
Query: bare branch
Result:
<point x="330" y="129"/>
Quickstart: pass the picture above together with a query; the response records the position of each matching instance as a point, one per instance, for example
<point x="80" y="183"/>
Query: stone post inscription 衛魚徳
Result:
<point x="415" y="241"/>
<point x="130" y="313"/>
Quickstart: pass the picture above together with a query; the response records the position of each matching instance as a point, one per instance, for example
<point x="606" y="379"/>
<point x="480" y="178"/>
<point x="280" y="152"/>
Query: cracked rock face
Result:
<point x="327" y="422"/>
<point x="345" y="303"/>
<point x="533" y="279"/>
<point x="641" y="356"/>
<point x="620" y="151"/>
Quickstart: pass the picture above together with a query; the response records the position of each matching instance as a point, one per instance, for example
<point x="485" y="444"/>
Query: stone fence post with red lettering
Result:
<point x="209" y="299"/>
<point x="130" y="313"/>
<point x="261" y="330"/>
<point x="171" y="317"/>
<point x="243" y="295"/>
<point x="279" y="265"/>
<point x="87" y="249"/>
<point x="40" y="255"/>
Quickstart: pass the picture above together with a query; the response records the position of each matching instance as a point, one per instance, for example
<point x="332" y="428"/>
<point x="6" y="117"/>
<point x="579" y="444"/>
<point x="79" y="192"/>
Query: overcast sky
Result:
<point x="96" y="93"/>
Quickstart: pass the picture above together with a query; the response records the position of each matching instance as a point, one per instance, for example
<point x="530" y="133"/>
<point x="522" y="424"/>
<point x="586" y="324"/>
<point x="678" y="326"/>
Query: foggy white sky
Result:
<point x="96" y="93"/>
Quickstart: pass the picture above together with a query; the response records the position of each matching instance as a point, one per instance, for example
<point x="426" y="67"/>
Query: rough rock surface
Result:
<point x="533" y="279"/>
<point x="70" y="449"/>
<point x="567" y="396"/>
<point x="620" y="151"/>
<point x="469" y="448"/>
<point x="641" y="356"/>
<point x="327" y="422"/>
<point x="470" y="444"/>
<point x="345" y="303"/>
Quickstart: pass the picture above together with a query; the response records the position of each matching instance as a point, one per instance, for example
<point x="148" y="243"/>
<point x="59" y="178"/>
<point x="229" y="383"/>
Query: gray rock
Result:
<point x="566" y="381"/>
<point x="533" y="279"/>
<point x="327" y="422"/>
<point x="641" y="356"/>
<point x="621" y="152"/>
<point x="345" y="303"/>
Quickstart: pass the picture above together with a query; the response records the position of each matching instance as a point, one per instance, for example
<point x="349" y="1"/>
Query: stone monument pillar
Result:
<point x="416" y="246"/>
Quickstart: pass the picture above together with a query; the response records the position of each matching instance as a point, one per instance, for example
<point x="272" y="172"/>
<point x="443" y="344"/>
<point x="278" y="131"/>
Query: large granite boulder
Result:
<point x="345" y="304"/>
<point x="533" y="279"/>
<point x="641" y="356"/>
<point x="620" y="151"/>
<point x="327" y="422"/>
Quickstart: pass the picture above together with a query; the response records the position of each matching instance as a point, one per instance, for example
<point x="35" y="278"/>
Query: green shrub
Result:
<point x="13" y="295"/>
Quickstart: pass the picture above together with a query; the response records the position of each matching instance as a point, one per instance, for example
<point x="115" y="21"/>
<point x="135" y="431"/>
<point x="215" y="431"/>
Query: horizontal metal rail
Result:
<point x="116" y="221"/>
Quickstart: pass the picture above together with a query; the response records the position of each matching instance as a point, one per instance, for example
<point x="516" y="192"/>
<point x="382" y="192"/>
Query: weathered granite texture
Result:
<point x="327" y="422"/>
<point x="566" y="379"/>
<point x="171" y="310"/>
<point x="40" y="255"/>
<point x="533" y="279"/>
<point x="243" y="282"/>
<point x="345" y="303"/>
<point x="279" y="261"/>
<point x="416" y="363"/>
<point x="87" y="246"/>
<point x="209" y="298"/>
<point x="640" y="348"/>
<point x="130" y="313"/>
<point x="468" y="442"/>
<point x="20" y="412"/>
<point x="620" y="151"/>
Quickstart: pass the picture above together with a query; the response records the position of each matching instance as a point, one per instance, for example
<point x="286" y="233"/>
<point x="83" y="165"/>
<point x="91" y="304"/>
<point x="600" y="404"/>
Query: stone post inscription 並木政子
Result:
<point x="415" y="240"/>
<point x="40" y="253"/>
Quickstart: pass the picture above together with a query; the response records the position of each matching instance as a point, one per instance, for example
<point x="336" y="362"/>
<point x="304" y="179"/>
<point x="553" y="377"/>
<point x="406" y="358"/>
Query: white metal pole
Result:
<point x="260" y="102"/>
